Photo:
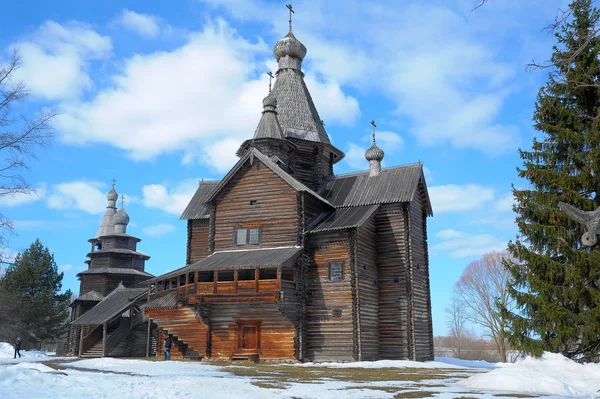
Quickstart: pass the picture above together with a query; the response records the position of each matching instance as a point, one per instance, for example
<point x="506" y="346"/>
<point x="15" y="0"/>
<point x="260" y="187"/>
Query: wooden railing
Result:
<point x="117" y="336"/>
<point x="91" y="339"/>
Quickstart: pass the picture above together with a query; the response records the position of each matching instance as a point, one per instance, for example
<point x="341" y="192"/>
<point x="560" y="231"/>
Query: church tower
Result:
<point x="114" y="257"/>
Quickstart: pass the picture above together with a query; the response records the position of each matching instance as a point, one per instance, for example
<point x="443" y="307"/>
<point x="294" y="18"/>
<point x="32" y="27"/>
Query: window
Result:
<point x="226" y="275"/>
<point x="336" y="271"/>
<point x="244" y="236"/>
<point x="267" y="274"/>
<point x="245" y="275"/>
<point x="253" y="202"/>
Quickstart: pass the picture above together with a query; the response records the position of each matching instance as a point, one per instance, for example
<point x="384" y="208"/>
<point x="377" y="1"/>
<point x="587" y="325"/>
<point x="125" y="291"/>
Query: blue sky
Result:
<point x="160" y="94"/>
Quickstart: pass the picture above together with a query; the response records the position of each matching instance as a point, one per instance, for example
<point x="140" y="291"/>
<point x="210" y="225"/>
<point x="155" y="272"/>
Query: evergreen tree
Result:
<point x="33" y="279"/>
<point x="556" y="279"/>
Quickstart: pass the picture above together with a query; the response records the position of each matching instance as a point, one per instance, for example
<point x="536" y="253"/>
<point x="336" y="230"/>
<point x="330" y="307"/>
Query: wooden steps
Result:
<point x="185" y="326"/>
<point x="94" y="351"/>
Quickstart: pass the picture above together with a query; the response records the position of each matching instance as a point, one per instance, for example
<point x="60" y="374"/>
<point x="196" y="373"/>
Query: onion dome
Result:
<point x="291" y="46"/>
<point x="112" y="195"/>
<point x="374" y="153"/>
<point x="121" y="217"/>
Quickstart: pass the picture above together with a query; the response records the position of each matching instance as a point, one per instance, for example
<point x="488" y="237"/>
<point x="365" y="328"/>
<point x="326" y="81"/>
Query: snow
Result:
<point x="552" y="374"/>
<point x="32" y="366"/>
<point x="440" y="363"/>
<point x="7" y="351"/>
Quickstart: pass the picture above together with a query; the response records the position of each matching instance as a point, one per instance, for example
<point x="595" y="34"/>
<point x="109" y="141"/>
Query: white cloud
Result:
<point x="456" y="198"/>
<point x="65" y="268"/>
<point x="171" y="199"/>
<point x="159" y="229"/>
<point x="505" y="203"/>
<point x="221" y="154"/>
<point x="464" y="245"/>
<point x="332" y="104"/>
<point x="56" y="58"/>
<point x="355" y="157"/>
<point x="389" y="141"/>
<point x="143" y="24"/>
<point x="81" y="195"/>
<point x="22" y="199"/>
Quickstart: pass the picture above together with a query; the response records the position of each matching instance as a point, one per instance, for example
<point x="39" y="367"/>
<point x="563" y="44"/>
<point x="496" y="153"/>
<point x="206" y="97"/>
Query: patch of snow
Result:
<point x="551" y="374"/>
<point x="474" y="364"/>
<point x="32" y="366"/>
<point x="380" y="364"/>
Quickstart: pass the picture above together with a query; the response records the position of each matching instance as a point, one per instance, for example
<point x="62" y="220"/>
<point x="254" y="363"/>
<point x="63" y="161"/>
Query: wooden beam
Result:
<point x="80" y="340"/>
<point x="256" y="272"/>
<point x="104" y="329"/>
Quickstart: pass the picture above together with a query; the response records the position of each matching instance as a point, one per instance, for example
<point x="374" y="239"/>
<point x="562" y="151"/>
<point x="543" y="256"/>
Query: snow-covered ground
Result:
<point x="552" y="376"/>
<point x="7" y="352"/>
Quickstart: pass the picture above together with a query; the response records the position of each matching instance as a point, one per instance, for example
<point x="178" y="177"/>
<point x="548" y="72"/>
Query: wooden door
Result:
<point x="249" y="337"/>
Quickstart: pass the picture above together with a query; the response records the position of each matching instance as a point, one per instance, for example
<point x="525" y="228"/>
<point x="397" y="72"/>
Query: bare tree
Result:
<point x="456" y="323"/>
<point x="482" y="288"/>
<point x="20" y="136"/>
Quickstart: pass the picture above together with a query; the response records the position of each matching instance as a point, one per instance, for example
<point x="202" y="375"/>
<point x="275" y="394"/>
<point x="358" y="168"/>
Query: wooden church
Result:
<point x="107" y="317"/>
<point x="286" y="260"/>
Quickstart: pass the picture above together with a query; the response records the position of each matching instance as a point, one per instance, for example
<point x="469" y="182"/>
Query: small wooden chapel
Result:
<point x="286" y="260"/>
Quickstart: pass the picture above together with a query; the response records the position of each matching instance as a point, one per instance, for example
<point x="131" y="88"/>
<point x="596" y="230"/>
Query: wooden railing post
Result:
<point x="215" y="276"/>
<point x="104" y="329"/>
<point x="80" y="340"/>
<point x="235" y="281"/>
<point x="256" y="273"/>
<point x="278" y="278"/>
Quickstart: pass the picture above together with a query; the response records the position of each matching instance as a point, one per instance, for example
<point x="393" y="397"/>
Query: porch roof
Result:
<point x="237" y="259"/>
<point x="114" y="304"/>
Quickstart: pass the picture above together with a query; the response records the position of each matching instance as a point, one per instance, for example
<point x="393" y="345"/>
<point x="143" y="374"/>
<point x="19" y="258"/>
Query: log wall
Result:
<point x="276" y="332"/>
<point x="368" y="291"/>
<point x="329" y="336"/>
<point x="105" y="284"/>
<point x="198" y="241"/>
<point x="421" y="297"/>
<point x="275" y="211"/>
<point x="392" y="256"/>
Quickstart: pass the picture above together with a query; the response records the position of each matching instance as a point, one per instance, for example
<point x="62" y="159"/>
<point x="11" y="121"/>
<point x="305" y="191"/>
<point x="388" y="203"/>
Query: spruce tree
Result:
<point x="34" y="281"/>
<point x="556" y="279"/>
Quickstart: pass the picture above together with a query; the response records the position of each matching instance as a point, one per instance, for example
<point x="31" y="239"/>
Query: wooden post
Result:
<point x="256" y="273"/>
<point x="235" y="281"/>
<point x="148" y="337"/>
<point x="278" y="278"/>
<point x="215" y="276"/>
<point x="80" y="340"/>
<point x="104" y="328"/>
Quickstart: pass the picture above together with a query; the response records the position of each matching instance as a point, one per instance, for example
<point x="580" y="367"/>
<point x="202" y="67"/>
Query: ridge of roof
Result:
<point x="253" y="152"/>
<point x="361" y="172"/>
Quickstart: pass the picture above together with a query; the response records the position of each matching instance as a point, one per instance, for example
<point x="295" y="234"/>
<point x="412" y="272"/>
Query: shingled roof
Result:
<point x="345" y="218"/>
<point x="296" y="111"/>
<point x="198" y="208"/>
<point x="237" y="259"/>
<point x="114" y="270"/>
<point x="397" y="184"/>
<point x="114" y="304"/>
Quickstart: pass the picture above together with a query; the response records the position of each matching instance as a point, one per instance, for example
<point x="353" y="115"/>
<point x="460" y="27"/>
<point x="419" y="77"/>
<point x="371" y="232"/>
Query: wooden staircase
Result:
<point x="186" y="327"/>
<point x="94" y="351"/>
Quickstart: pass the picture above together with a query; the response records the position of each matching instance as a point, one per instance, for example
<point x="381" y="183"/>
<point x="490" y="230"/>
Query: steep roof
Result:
<point x="249" y="156"/>
<point x="114" y="304"/>
<point x="91" y="296"/>
<point x="198" y="208"/>
<point x="123" y="251"/>
<point x="397" y="184"/>
<point x="345" y="218"/>
<point x="296" y="110"/>
<point x="168" y="301"/>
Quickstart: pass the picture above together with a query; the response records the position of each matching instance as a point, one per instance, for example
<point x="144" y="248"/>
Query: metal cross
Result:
<point x="271" y="77"/>
<point x="289" y="6"/>
<point x="122" y="200"/>
<point x="374" y="126"/>
<point x="113" y="182"/>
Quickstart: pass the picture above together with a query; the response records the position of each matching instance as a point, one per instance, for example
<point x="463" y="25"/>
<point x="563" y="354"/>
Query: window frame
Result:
<point x="331" y="265"/>
<point x="247" y="235"/>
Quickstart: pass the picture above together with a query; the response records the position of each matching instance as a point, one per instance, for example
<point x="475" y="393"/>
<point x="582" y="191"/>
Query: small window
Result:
<point x="336" y="271"/>
<point x="267" y="274"/>
<point x="241" y="236"/>
<point x="253" y="202"/>
<point x="337" y="312"/>
<point x="244" y="236"/>
<point x="206" y="277"/>
<point x="191" y="278"/>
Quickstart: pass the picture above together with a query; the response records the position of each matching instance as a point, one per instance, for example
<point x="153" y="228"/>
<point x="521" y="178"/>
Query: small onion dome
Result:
<point x="112" y="195"/>
<point x="374" y="153"/>
<point x="121" y="217"/>
<point x="269" y="103"/>
<point x="291" y="46"/>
